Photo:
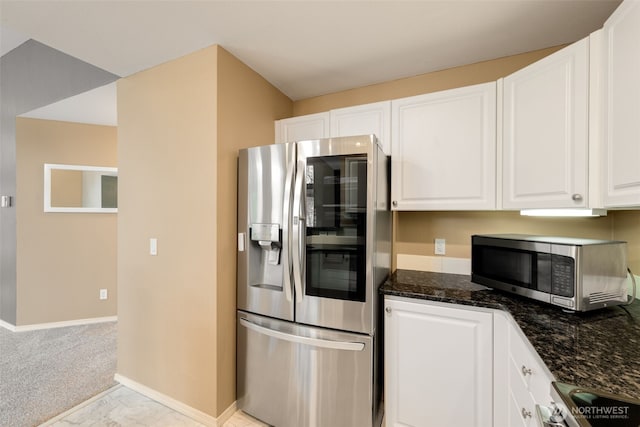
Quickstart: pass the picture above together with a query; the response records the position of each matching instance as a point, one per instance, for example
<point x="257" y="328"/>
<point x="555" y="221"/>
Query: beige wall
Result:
<point x="626" y="226"/>
<point x="180" y="125"/>
<point x="247" y="108"/>
<point x="63" y="259"/>
<point x="414" y="231"/>
<point x="466" y="75"/>
<point x="167" y="175"/>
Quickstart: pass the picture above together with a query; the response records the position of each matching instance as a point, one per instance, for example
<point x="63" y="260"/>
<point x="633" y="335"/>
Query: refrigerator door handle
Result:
<point x="315" y="342"/>
<point x="298" y="230"/>
<point x="286" y="224"/>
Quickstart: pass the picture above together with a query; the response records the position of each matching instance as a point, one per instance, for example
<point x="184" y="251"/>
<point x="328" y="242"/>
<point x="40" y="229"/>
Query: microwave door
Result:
<point x="265" y="182"/>
<point x="330" y="231"/>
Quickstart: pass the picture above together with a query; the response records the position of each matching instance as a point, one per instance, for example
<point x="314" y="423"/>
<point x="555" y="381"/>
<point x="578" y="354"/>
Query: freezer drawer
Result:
<point x="297" y="376"/>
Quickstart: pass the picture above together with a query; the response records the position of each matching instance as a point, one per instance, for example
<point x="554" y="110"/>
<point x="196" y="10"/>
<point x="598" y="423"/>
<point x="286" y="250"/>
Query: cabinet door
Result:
<point x="364" y="120"/>
<point x="622" y="107"/>
<point x="311" y="126"/>
<point x="546" y="132"/>
<point x="444" y="150"/>
<point x="438" y="365"/>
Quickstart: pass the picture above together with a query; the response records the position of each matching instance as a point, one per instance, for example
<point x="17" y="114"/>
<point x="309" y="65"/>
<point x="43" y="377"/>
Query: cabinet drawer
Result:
<point x="521" y="404"/>
<point x="529" y="368"/>
<point x="521" y="408"/>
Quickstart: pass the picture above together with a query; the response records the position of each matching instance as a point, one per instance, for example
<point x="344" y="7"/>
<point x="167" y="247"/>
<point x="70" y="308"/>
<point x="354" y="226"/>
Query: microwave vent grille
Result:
<point x="598" y="297"/>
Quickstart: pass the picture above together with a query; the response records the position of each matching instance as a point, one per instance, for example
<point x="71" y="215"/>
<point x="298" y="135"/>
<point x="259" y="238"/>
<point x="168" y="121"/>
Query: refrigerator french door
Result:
<point x="313" y="247"/>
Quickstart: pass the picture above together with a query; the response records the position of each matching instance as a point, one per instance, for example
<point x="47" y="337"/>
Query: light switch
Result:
<point x="153" y="246"/>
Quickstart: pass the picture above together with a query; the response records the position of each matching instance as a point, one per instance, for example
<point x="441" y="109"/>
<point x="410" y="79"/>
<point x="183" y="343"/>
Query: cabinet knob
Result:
<point x="394" y="203"/>
<point x="577" y="197"/>
<point x="526" y="414"/>
<point x="388" y="310"/>
<point x="526" y="371"/>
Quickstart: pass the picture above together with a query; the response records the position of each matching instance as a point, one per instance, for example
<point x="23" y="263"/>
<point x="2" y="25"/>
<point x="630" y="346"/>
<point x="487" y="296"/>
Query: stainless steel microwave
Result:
<point x="576" y="274"/>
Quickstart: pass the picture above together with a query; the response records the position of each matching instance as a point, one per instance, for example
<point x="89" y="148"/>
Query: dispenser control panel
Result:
<point x="265" y="232"/>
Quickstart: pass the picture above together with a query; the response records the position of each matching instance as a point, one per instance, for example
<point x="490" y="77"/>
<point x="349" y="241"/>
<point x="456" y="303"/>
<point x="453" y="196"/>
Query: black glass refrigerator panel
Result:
<point x="336" y="201"/>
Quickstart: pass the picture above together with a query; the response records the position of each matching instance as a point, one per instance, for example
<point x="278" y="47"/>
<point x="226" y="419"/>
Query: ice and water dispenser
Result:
<point x="264" y="248"/>
<point x="268" y="237"/>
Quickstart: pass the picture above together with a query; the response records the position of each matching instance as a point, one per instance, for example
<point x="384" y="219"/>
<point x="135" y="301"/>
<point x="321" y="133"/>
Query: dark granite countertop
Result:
<point x="599" y="349"/>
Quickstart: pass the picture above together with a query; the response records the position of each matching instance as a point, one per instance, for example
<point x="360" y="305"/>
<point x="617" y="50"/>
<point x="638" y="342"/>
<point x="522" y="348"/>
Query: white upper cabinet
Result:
<point x="311" y="126"/>
<point x="546" y="132"/>
<point x="621" y="95"/>
<point x="364" y="119"/>
<point x="443" y="151"/>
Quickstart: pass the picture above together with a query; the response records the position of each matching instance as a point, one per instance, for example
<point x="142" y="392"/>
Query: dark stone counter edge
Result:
<point x="543" y="325"/>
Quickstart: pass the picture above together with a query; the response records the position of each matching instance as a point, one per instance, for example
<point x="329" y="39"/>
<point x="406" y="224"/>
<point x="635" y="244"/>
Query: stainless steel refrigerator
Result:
<point x="314" y="245"/>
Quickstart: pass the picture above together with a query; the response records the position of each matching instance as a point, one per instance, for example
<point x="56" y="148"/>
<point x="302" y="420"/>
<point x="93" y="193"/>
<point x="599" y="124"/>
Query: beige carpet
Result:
<point x="44" y="373"/>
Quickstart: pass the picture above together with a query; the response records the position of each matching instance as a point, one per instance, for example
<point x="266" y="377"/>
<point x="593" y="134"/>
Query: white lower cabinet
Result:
<point x="522" y="380"/>
<point x="457" y="365"/>
<point x="438" y="364"/>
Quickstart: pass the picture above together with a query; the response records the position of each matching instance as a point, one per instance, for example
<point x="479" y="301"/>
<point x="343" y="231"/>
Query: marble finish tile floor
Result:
<point x="121" y="406"/>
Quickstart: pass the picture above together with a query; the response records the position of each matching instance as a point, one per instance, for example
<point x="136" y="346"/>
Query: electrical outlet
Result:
<point x="103" y="294"/>
<point x="440" y="247"/>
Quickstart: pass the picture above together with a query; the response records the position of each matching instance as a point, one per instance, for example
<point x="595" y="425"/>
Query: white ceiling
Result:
<point x="97" y="106"/>
<point x="305" y="48"/>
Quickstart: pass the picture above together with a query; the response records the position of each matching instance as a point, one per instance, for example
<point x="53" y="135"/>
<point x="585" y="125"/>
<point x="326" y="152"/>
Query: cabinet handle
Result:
<point x="526" y="371"/>
<point x="388" y="310"/>
<point x="394" y="203"/>
<point x="526" y="414"/>
<point x="577" y="197"/>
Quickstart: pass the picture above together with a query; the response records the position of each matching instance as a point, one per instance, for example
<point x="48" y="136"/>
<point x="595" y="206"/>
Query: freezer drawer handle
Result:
<point x="337" y="345"/>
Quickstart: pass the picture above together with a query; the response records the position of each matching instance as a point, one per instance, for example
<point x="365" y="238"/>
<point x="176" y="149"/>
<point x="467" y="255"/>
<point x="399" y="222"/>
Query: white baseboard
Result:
<point x="38" y="326"/>
<point x="437" y="264"/>
<point x="7" y="325"/>
<point x="228" y="413"/>
<point x="176" y="405"/>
